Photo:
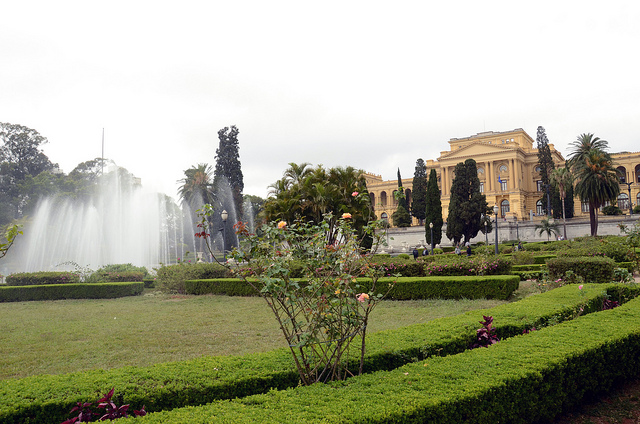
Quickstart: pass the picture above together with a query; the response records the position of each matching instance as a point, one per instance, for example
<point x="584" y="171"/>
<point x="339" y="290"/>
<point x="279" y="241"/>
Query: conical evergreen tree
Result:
<point x="433" y="210"/>
<point x="401" y="217"/>
<point x="228" y="166"/>
<point x="419" y="193"/>
<point x="467" y="204"/>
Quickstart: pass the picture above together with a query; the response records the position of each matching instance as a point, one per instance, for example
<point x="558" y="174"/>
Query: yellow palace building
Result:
<point x="508" y="169"/>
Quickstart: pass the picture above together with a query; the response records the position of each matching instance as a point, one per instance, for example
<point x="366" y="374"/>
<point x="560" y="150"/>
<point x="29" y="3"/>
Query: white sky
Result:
<point x="375" y="85"/>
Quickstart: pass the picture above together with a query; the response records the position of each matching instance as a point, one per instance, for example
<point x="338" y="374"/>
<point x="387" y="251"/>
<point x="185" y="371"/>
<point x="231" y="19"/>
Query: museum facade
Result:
<point x="508" y="170"/>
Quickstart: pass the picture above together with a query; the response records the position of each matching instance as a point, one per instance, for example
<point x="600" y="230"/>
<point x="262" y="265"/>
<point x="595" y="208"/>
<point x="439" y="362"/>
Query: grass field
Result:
<point x="58" y="337"/>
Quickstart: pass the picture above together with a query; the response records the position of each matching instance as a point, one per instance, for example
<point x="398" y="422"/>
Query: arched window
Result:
<point x="383" y="199"/>
<point x="585" y="207"/>
<point x="384" y="216"/>
<point x="503" y="168"/>
<point x="395" y="198"/>
<point x="372" y="197"/>
<point x="622" y="174"/>
<point x="623" y="201"/>
<point x="638" y="173"/>
<point x="504" y="208"/>
<point x="539" y="210"/>
<point x="407" y="193"/>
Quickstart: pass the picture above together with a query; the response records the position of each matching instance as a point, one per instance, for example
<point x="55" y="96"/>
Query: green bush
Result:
<point x="115" y="277"/>
<point x="171" y="278"/>
<point x="530" y="378"/>
<point x="449" y="265"/>
<point x="522" y="258"/>
<point x="70" y="291"/>
<point x="40" y="278"/>
<point x="473" y="287"/>
<point x="48" y="398"/>
<point x="403" y="256"/>
<point x="405" y="267"/>
<point x="591" y="269"/>
<point x="611" y="210"/>
<point x="542" y="259"/>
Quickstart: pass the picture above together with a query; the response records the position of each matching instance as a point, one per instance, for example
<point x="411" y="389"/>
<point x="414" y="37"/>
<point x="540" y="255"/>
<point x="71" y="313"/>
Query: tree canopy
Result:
<point x="466" y="205"/>
<point x="308" y="194"/>
<point x="401" y="217"/>
<point x="545" y="161"/>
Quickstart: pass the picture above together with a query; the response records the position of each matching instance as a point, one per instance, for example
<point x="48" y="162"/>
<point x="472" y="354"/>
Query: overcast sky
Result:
<point x="375" y="85"/>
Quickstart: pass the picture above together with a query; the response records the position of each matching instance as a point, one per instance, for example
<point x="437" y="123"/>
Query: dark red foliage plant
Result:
<point x="486" y="336"/>
<point x="111" y="411"/>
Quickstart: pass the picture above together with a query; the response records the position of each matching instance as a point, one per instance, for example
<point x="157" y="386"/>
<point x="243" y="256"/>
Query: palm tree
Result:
<point x="548" y="227"/>
<point x="562" y="178"/>
<point x="597" y="182"/>
<point x="197" y="188"/>
<point x="583" y="145"/>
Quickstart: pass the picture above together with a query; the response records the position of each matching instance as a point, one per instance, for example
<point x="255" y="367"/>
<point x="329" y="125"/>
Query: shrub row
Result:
<point x="529" y="378"/>
<point x="117" y="276"/>
<point x="171" y="278"/>
<point x="70" y="291"/>
<point x="48" y="398"/>
<point x="405" y="288"/>
<point x="40" y="278"/>
<point x="594" y="269"/>
<point x="465" y="265"/>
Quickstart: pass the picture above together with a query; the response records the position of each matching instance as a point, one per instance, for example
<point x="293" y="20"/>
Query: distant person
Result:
<point x="415" y="253"/>
<point x="468" y="249"/>
<point x="457" y="250"/>
<point x="520" y="246"/>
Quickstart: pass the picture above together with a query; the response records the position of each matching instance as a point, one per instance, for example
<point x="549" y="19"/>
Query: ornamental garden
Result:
<point x="566" y="327"/>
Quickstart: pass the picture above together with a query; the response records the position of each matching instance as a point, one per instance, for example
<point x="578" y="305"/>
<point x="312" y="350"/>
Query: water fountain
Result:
<point x="120" y="223"/>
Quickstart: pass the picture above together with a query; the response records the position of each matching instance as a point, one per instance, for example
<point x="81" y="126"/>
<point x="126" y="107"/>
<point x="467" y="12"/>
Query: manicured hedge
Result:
<point x="468" y="287"/>
<point x="48" y="398"/>
<point x="70" y="291"/>
<point x="525" y="379"/>
<point x="594" y="269"/>
<point x="40" y="278"/>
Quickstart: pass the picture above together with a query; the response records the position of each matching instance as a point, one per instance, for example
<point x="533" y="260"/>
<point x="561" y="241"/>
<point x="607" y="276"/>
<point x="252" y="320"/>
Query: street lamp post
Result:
<point x="495" y="212"/>
<point x="630" y="202"/>
<point x="547" y="186"/>
<point x="224" y="215"/>
<point x="431" y="228"/>
<point x="486" y="236"/>
<point x="517" y="235"/>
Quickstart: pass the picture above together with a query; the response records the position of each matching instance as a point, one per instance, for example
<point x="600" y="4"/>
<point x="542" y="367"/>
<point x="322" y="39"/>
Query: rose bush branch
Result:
<point x="321" y="313"/>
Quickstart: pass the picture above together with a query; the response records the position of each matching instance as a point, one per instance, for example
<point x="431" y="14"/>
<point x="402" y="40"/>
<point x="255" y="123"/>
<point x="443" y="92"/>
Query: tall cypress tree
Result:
<point x="401" y="217"/>
<point x="419" y="193"/>
<point x="228" y="166"/>
<point x="545" y="162"/>
<point x="467" y="204"/>
<point x="433" y="210"/>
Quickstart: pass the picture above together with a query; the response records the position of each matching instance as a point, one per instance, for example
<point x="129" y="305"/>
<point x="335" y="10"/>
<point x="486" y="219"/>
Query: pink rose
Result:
<point x="354" y="194"/>
<point x="282" y="224"/>
<point x="362" y="297"/>
<point x="346" y="215"/>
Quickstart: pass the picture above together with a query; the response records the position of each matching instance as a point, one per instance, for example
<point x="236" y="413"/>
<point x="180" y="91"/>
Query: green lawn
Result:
<point x="57" y="337"/>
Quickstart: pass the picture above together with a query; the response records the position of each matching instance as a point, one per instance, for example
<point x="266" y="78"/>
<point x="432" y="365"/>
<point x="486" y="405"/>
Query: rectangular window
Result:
<point x="585" y="207"/>
<point x="539" y="185"/>
<point x="481" y="187"/>
<point x="503" y="185"/>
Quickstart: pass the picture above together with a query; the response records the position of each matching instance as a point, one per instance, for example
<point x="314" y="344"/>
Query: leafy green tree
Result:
<point x="228" y="166"/>
<point x="545" y="160"/>
<point x="401" y="217"/>
<point x="20" y="157"/>
<point x="308" y="194"/>
<point x="419" y="193"/>
<point x="10" y="236"/>
<point x="433" y="210"/>
<point x="466" y="205"/>
<point x="562" y="180"/>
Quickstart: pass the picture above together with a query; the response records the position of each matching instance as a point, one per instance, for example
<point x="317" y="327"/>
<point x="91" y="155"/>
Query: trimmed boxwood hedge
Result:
<point x="468" y="287"/>
<point x="40" y="278"/>
<point x="594" y="269"/>
<point x="530" y="378"/>
<point x="48" y="398"/>
<point x="70" y="291"/>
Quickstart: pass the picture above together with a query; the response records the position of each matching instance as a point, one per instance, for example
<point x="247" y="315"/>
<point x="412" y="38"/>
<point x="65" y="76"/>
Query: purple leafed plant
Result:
<point x="111" y="411"/>
<point x="486" y="336"/>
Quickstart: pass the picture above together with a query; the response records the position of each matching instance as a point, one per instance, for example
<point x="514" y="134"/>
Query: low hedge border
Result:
<point x="406" y="288"/>
<point x="49" y="398"/>
<point x="41" y="278"/>
<point x="594" y="269"/>
<point x="525" y="379"/>
<point x="70" y="291"/>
